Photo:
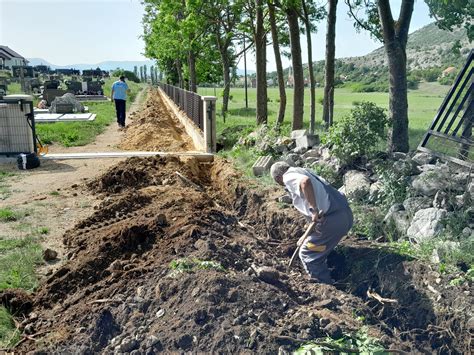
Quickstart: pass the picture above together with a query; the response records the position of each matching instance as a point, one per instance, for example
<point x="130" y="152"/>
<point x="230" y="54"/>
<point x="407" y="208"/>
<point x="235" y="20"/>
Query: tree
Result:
<point x="279" y="66"/>
<point x="260" y="40"/>
<point x="145" y="75"/>
<point x="297" y="63"/>
<point x="310" y="14"/>
<point x="135" y="71"/>
<point x="328" y="100"/>
<point x="394" y="34"/>
<point x="141" y="73"/>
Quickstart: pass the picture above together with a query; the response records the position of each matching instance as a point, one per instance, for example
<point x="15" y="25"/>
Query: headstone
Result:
<point x="262" y="165"/>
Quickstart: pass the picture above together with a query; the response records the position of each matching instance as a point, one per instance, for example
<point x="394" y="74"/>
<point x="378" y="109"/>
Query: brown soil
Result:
<point x="155" y="128"/>
<point x="118" y="293"/>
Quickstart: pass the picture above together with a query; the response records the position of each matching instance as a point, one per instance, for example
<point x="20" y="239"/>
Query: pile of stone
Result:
<point x="436" y="190"/>
<point x="67" y="100"/>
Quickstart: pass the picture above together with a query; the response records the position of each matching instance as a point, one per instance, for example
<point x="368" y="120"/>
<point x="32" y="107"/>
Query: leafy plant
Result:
<point x="8" y="215"/>
<point x="328" y="173"/>
<point x="358" y="133"/>
<point x="189" y="265"/>
<point x="368" y="221"/>
<point x="360" y="342"/>
<point x="394" y="185"/>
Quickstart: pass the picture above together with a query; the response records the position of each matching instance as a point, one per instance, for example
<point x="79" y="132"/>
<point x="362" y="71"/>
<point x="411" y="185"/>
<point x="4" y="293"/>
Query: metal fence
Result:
<point x="190" y="102"/>
<point x="450" y="133"/>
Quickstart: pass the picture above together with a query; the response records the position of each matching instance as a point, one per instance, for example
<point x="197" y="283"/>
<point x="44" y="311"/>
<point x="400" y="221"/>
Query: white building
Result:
<point x="10" y="58"/>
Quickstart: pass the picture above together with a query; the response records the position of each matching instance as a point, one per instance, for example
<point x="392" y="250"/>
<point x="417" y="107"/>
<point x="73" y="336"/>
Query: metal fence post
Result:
<point x="209" y="115"/>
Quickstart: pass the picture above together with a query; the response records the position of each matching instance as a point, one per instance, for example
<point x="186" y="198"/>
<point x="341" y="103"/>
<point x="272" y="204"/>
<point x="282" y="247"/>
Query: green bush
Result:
<point x="129" y="75"/>
<point x="357" y="134"/>
<point x="368" y="222"/>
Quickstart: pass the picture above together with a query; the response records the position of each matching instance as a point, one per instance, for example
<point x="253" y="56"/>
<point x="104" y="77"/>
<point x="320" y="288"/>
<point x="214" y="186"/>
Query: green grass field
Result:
<point x="81" y="133"/>
<point x="423" y="104"/>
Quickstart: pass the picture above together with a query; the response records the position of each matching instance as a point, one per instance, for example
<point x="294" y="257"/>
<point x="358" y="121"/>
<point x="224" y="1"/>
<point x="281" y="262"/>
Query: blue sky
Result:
<point x="90" y="31"/>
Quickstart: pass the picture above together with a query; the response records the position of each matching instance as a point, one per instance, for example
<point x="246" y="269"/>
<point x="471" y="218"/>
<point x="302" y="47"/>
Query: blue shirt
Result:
<point x="120" y="90"/>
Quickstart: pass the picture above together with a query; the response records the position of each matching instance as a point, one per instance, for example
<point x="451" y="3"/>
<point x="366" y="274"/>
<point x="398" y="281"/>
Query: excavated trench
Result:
<point x="168" y="265"/>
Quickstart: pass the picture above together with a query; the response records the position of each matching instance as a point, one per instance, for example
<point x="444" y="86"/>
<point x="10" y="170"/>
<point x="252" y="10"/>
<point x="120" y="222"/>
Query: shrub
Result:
<point x="358" y="133"/>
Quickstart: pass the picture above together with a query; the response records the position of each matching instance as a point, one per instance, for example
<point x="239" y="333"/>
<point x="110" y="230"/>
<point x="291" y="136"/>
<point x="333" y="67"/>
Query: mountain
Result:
<point x="106" y="65"/>
<point x="427" y="47"/>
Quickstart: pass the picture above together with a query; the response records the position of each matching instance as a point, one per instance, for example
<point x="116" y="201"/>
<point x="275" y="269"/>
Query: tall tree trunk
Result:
<point x="312" y="84"/>
<point x="298" y="90"/>
<point x="192" y="71"/>
<point x="328" y="101"/>
<point x="226" y="75"/>
<point x="279" y="66"/>
<point x="395" y="35"/>
<point x="179" y="70"/>
<point x="261" y="64"/>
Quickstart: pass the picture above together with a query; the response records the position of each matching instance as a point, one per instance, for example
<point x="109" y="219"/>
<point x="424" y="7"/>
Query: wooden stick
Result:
<point x="305" y="235"/>
<point x="189" y="182"/>
<point x="376" y="296"/>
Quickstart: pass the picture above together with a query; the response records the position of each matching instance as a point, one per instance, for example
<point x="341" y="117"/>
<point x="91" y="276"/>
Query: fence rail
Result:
<point x="190" y="102"/>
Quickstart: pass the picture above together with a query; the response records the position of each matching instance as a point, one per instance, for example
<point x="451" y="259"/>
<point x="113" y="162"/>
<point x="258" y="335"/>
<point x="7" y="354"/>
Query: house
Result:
<point x="9" y="58"/>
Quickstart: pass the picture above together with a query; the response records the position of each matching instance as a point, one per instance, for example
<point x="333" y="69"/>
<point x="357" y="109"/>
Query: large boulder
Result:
<point x="400" y="220"/>
<point x="414" y="204"/>
<point x="426" y="224"/>
<point x="68" y="99"/>
<point x="423" y="158"/>
<point x="356" y="185"/>
<point x="431" y="180"/>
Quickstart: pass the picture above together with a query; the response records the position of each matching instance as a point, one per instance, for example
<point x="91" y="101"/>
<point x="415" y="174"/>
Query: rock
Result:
<point x="310" y="160"/>
<point x="161" y="219"/>
<point x="467" y="232"/>
<point x="293" y="157"/>
<point x="400" y="220"/>
<point x="160" y="313"/>
<point x="375" y="190"/>
<point x="298" y="133"/>
<point x="280" y="148"/>
<point x="268" y="274"/>
<point x="263" y="317"/>
<point x="300" y="150"/>
<point x="413" y="204"/>
<point x="426" y="224"/>
<point x="396" y="207"/>
<point x="312" y="153"/>
<point x="356" y="184"/>
<point x="323" y="322"/>
<point x="128" y="344"/>
<point x="184" y="342"/>
<point x="325" y="153"/>
<point x="441" y="200"/>
<point x="406" y="167"/>
<point x="399" y="155"/>
<point x="307" y="141"/>
<point x="470" y="324"/>
<point x="423" y="158"/>
<point x="431" y="181"/>
<point x="50" y="254"/>
<point x="141" y="291"/>
<point x="285" y="199"/>
<point x="69" y="99"/>
<point x="333" y="330"/>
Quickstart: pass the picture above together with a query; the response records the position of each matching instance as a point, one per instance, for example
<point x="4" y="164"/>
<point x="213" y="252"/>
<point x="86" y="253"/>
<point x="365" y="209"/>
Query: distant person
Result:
<point x="119" y="95"/>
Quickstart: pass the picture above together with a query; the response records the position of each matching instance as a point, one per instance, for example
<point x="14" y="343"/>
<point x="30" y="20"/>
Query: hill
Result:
<point x="426" y="48"/>
<point x="105" y="65"/>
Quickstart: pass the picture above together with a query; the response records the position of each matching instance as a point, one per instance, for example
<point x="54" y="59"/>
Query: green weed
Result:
<point x="8" y="215"/>
<point x="18" y="264"/>
<point x="43" y="230"/>
<point x="189" y="265"/>
<point x="359" y="342"/>
<point x="9" y="335"/>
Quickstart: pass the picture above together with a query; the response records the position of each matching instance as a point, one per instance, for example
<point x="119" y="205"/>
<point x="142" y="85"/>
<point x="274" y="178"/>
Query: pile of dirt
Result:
<point x="155" y="128"/>
<point x="165" y="265"/>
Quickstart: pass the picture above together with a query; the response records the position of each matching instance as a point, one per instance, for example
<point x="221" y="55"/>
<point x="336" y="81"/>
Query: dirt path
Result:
<point x="50" y="196"/>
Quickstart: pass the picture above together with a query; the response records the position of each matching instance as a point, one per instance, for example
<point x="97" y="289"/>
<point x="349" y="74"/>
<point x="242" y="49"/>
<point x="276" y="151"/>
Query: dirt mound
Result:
<point x="164" y="265"/>
<point x="155" y="128"/>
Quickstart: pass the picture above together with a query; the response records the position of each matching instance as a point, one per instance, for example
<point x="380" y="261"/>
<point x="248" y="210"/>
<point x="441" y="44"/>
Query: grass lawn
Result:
<point x="423" y="104"/>
<point x="81" y="133"/>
